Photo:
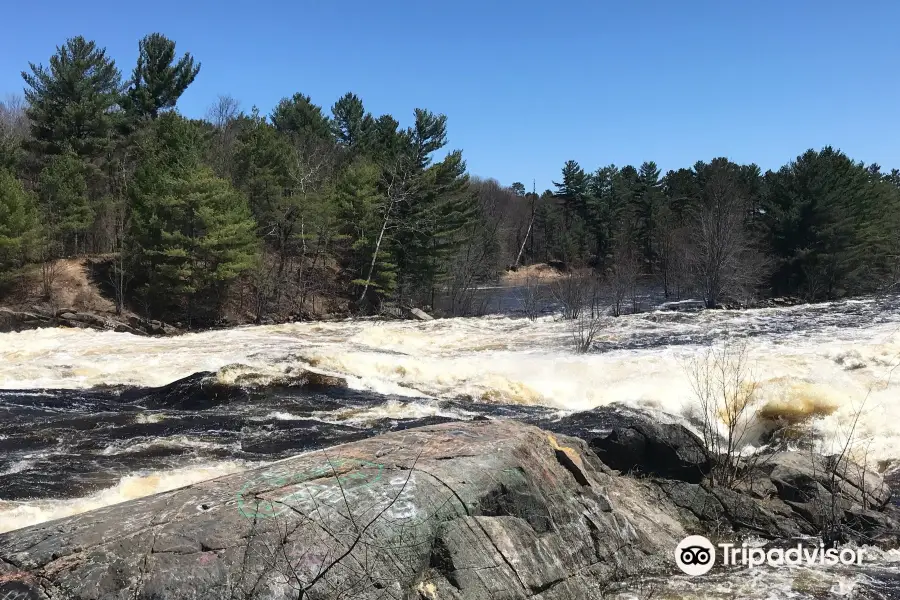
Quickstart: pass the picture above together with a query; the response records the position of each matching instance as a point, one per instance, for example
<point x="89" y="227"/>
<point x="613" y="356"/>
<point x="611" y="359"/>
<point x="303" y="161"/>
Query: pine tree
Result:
<point x="71" y="103"/>
<point x="647" y="204"/>
<point x="362" y="210"/>
<point x="437" y="204"/>
<point x="386" y="142"/>
<point x="262" y="172"/>
<point x="682" y="190"/>
<point x="603" y="212"/>
<point x="158" y="79"/>
<point x="204" y="239"/>
<point x="350" y="124"/>
<point x="831" y="224"/>
<point x="19" y="224"/>
<point x="298" y="116"/>
<point x="573" y="190"/>
<point x="572" y="193"/>
<point x="66" y="207"/>
<point x="192" y="233"/>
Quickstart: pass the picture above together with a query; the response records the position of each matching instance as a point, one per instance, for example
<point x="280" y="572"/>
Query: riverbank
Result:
<point x="81" y="298"/>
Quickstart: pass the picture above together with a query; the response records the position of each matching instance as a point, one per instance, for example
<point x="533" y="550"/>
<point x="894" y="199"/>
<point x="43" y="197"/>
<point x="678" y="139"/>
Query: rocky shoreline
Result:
<point x="14" y="319"/>
<point x="587" y="507"/>
<point x="38" y="317"/>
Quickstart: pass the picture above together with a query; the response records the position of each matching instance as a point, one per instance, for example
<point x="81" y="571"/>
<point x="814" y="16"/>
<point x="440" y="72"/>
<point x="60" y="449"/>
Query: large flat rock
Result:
<point x="485" y="509"/>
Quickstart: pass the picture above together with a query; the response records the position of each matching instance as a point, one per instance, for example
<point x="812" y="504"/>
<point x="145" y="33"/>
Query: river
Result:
<point x="84" y="421"/>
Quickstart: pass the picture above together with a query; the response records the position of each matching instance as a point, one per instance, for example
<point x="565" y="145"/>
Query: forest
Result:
<point x="309" y="210"/>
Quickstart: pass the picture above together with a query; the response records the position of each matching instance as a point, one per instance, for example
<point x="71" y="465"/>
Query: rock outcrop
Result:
<point x="462" y="510"/>
<point x="781" y="495"/>
<point x="484" y="509"/>
<point x="632" y="441"/>
<point x="40" y="317"/>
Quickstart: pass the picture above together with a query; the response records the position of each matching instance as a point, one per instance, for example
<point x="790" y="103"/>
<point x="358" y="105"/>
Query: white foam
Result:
<point x="175" y="442"/>
<point x="18" y="514"/>
<point x="505" y="360"/>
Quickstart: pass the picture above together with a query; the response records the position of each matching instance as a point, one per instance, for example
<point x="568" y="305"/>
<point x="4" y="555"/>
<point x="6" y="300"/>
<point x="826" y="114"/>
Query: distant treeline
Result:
<point x="262" y="216"/>
<point x="820" y="227"/>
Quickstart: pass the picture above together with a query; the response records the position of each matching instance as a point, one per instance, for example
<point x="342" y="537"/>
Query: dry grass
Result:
<point x="71" y="288"/>
<point x="539" y="273"/>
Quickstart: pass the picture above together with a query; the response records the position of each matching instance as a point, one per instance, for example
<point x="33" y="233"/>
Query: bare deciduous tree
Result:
<point x="13" y="120"/>
<point x="478" y="259"/>
<point x="622" y="275"/>
<point x="724" y="259"/>
<point x="224" y="114"/>
<point x="585" y="328"/>
<point x="223" y="111"/>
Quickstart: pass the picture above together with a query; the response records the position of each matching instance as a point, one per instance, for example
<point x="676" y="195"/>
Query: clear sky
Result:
<point x="528" y="85"/>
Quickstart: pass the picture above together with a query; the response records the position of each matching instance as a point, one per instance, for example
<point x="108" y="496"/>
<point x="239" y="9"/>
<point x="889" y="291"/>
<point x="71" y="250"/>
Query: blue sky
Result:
<point x="529" y="85"/>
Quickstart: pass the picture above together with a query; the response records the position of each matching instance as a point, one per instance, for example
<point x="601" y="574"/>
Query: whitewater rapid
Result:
<point x="828" y="362"/>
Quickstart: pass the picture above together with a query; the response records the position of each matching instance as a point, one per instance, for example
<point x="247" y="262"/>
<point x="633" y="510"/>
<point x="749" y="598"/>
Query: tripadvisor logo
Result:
<point x="696" y="555"/>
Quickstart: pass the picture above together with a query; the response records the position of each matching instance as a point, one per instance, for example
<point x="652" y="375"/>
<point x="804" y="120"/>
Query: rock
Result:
<point x="420" y="314"/>
<point x="631" y="441"/>
<point x="463" y="510"/>
<point x="13" y="320"/>
<point x="155" y="327"/>
<point x="879" y="528"/>
<point x="684" y="305"/>
<point x="313" y="380"/>
<point x="715" y="508"/>
<point x="800" y="476"/>
<point x="200" y="391"/>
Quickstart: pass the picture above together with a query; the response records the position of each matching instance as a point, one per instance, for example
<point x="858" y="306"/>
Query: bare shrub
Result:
<point x="50" y="271"/>
<point x="726" y="392"/>
<point x="622" y="276"/>
<point x="585" y="328"/>
<point x="850" y="464"/>
<point x="532" y="297"/>
<point x="574" y="293"/>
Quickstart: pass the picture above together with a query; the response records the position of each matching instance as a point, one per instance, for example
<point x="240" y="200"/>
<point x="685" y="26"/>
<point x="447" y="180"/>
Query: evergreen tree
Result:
<point x="387" y="143"/>
<point x="573" y="190"/>
<point x="437" y="204"/>
<point x="19" y="224"/>
<point x="604" y="211"/>
<point x="192" y="233"/>
<point x="572" y="193"/>
<point x="646" y="206"/>
<point x="262" y="172"/>
<point x="71" y="104"/>
<point x="361" y="211"/>
<point x="158" y="79"/>
<point x="298" y="115"/>
<point x="66" y="207"/>
<point x="350" y="124"/>
<point x="831" y="224"/>
<point x="682" y="189"/>
<point x="204" y="239"/>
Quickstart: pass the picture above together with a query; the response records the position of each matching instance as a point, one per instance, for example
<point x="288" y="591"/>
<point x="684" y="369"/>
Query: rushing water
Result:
<point x="84" y="422"/>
